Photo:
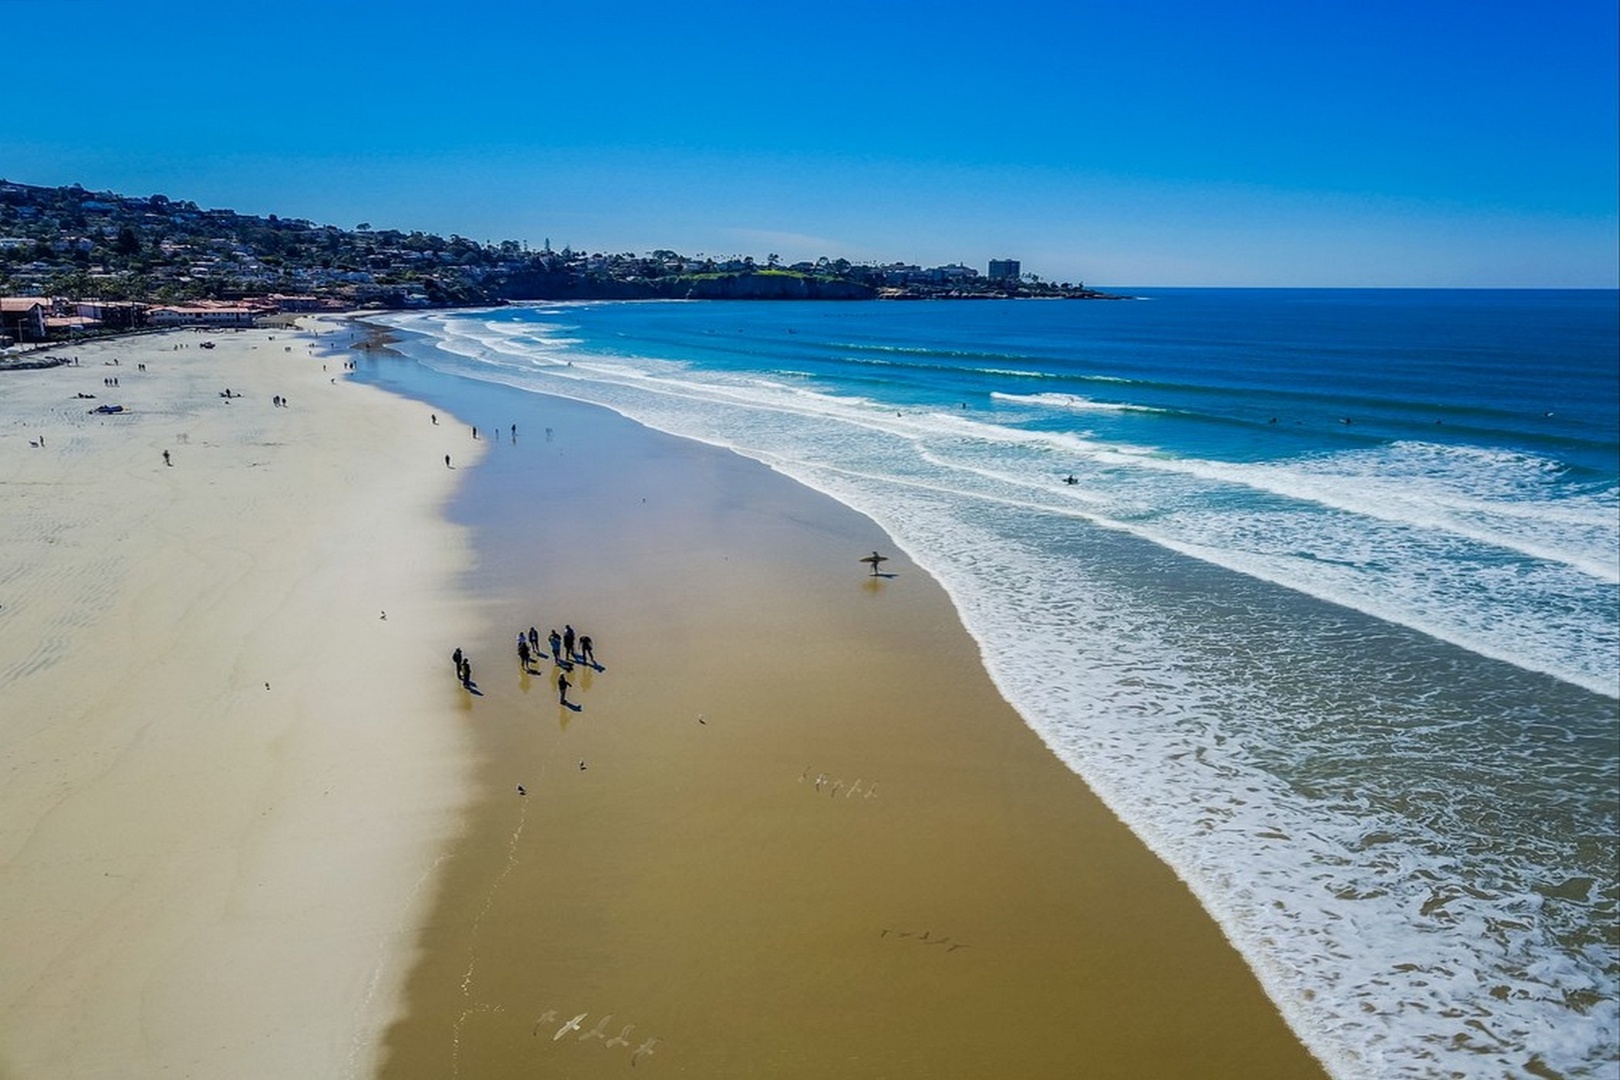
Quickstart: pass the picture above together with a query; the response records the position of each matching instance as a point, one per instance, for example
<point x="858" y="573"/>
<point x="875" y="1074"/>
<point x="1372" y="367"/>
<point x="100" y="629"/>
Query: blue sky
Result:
<point x="1149" y="143"/>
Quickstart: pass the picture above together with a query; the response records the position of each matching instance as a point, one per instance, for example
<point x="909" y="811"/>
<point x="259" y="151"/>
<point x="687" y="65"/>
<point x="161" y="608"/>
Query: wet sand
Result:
<point x="809" y="836"/>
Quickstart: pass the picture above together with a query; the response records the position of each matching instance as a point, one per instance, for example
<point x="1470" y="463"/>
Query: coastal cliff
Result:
<point x="765" y="285"/>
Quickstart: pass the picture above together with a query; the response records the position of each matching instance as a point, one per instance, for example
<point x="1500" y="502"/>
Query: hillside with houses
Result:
<point x="75" y="262"/>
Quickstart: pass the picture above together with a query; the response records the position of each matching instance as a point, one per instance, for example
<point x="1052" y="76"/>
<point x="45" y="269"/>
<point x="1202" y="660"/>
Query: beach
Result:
<point x="226" y="777"/>
<point x="253" y="826"/>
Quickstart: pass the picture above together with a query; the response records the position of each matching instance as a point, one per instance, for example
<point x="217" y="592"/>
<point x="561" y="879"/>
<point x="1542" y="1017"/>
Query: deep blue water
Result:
<point x="1320" y="590"/>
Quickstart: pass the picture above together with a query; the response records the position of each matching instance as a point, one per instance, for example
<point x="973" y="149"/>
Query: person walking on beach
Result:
<point x="455" y="659"/>
<point x="556" y="646"/>
<point x="568" y="641"/>
<point x="562" y="687"/>
<point x="523" y="651"/>
<point x="466" y="673"/>
<point x="447" y="461"/>
<point x="534" y="640"/>
<point x="166" y="460"/>
<point x="586" y="655"/>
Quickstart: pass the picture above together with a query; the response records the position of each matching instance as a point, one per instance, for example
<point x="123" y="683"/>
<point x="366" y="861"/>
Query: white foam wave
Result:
<point x="1071" y="402"/>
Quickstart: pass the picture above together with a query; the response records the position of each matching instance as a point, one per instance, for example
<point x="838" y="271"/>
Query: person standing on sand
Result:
<point x="562" y="687"/>
<point x="466" y="673"/>
<point x="166" y="460"/>
<point x="523" y="651"/>
<point x="568" y="641"/>
<point x="586" y="655"/>
<point x="556" y="646"/>
<point x="534" y="640"/>
<point x="455" y="658"/>
<point x="447" y="461"/>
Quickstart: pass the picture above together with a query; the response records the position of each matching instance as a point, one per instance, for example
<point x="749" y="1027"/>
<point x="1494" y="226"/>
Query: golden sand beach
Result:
<point x="791" y="828"/>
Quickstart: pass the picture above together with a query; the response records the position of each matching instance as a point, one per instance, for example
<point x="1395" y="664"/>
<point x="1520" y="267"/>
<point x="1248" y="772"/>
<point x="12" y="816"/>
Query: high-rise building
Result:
<point x="1004" y="270"/>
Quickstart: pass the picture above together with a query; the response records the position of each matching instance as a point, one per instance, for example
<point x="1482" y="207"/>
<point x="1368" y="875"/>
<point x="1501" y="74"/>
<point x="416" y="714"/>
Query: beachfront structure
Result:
<point x="198" y="315"/>
<point x="1004" y="270"/>
<point x="22" y="318"/>
<point x="112" y="314"/>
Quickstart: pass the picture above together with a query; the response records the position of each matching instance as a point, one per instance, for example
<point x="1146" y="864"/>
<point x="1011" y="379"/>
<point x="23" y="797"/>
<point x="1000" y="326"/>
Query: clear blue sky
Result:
<point x="1169" y="142"/>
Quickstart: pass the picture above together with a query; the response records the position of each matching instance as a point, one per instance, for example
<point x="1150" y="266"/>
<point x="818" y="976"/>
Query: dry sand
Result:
<point x="809" y="838"/>
<point x="225" y="779"/>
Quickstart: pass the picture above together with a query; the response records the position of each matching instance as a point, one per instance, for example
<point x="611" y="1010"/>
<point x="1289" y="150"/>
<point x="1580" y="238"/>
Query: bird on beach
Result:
<point x="619" y="1039"/>
<point x="572" y="1025"/>
<point x="597" y="1032"/>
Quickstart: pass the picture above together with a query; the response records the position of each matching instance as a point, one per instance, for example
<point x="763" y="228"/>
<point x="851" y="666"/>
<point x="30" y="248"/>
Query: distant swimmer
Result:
<point x="1070" y="479"/>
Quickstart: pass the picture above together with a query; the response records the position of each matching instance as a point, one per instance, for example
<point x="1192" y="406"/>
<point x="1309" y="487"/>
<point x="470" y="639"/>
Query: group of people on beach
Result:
<point x="567" y="649"/>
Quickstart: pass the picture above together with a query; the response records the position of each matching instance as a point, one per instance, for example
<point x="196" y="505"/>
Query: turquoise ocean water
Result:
<point x="1319" y="590"/>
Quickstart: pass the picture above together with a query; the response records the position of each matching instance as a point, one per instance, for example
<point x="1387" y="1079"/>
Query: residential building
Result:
<point x="22" y="318"/>
<point x="1005" y="270"/>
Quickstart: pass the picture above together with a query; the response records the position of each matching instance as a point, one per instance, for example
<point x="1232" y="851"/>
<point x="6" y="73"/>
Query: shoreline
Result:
<point x="597" y="890"/>
<point x="227" y="779"/>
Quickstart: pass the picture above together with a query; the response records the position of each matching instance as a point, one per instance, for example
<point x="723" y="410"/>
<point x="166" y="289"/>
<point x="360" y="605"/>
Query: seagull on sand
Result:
<point x="572" y="1025"/>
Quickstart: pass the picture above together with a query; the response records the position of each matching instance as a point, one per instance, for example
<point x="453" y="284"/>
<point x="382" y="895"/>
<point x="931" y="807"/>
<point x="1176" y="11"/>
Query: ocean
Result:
<point x="1319" y="590"/>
